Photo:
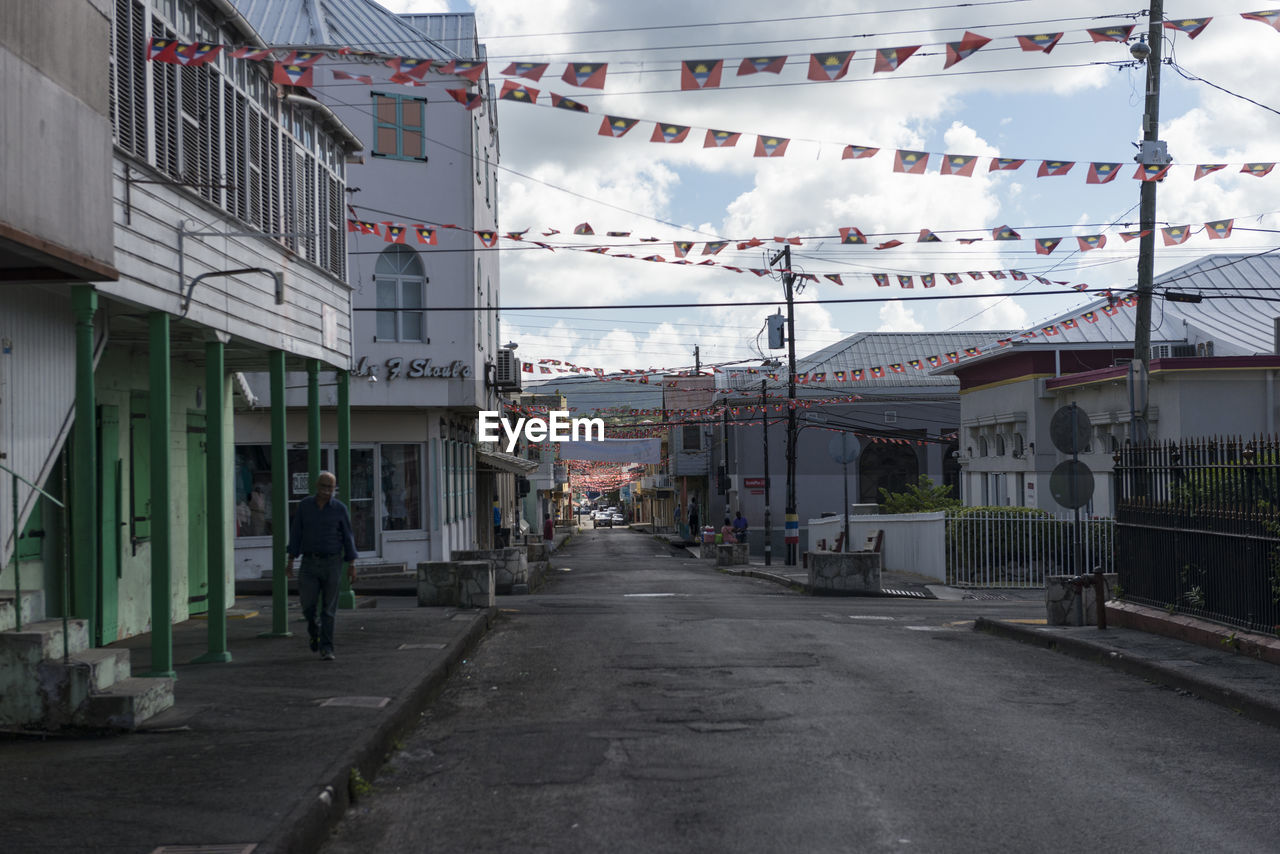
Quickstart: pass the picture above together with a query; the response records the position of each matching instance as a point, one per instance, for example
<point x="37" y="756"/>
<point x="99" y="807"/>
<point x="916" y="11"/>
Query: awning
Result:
<point x="505" y="462"/>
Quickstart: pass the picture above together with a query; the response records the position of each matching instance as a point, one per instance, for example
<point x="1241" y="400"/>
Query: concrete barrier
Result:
<point x="731" y="554"/>
<point x="457" y="583"/>
<point x="510" y="566"/>
<point x="1060" y="599"/>
<point x="844" y="572"/>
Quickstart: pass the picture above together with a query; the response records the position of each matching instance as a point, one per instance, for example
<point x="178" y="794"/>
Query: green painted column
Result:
<point x="218" y="515"/>
<point x="84" y="456"/>
<point x="347" y="598"/>
<point x="161" y="529"/>
<point x="279" y="501"/>
<point x="313" y="423"/>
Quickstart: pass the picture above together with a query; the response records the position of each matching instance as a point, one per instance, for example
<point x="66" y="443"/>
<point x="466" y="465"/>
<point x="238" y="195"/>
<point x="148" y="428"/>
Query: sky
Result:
<point x="1083" y="103"/>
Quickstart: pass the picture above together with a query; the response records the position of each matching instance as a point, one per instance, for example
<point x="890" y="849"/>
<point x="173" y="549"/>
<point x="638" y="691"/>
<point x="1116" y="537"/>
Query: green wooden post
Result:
<point x="161" y="533"/>
<point x="313" y="424"/>
<point x="279" y="502"/>
<point x="216" y="509"/>
<point x="347" y="598"/>
<point x="84" y="455"/>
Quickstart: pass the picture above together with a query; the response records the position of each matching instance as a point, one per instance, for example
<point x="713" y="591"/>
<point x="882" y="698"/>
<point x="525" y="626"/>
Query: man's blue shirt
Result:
<point x="321" y="530"/>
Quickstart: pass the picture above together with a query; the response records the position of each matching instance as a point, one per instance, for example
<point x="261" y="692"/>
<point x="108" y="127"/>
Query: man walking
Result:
<point x="320" y="532"/>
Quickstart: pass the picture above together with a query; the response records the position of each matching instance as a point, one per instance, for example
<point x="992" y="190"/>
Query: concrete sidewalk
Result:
<point x="264" y="750"/>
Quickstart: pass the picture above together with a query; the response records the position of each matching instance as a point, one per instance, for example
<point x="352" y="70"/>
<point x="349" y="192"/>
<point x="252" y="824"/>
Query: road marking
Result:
<point x="652" y="595"/>
<point x="958" y="623"/>
<point x="1040" y="622"/>
<point x="924" y="628"/>
<point x="853" y="617"/>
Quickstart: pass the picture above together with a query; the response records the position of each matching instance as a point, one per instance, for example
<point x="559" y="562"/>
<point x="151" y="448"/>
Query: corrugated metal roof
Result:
<point x="455" y="31"/>
<point x="1237" y="327"/>
<point x="360" y="24"/>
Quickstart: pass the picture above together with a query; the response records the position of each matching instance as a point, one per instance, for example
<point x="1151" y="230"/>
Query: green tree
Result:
<point x="922" y="496"/>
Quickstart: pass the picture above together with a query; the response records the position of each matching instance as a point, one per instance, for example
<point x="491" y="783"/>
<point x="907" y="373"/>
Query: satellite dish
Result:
<point x="844" y="448"/>
<point x="1069" y="429"/>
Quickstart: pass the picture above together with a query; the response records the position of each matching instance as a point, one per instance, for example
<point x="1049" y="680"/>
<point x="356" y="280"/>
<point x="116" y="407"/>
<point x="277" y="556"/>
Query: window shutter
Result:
<point x="167" y="118"/>
<point x="139" y="467"/>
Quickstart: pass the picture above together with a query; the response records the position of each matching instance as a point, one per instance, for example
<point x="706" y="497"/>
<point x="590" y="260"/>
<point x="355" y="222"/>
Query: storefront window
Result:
<point x="253" y="490"/>
<point x="401" y="487"/>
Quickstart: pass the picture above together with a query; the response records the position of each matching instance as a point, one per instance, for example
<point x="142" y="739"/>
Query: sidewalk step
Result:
<point x="32" y="608"/>
<point x="126" y="704"/>
<point x="40" y="640"/>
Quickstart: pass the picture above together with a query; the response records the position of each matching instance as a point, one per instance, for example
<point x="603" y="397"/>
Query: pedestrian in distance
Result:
<point x="548" y="528"/>
<point x="497" y="525"/>
<point x="740" y="527"/>
<point x="726" y="532"/>
<point x="321" y="534"/>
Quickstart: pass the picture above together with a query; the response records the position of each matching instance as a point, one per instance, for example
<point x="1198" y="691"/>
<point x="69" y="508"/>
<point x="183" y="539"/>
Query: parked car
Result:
<point x="617" y="518"/>
<point x="604" y="519"/>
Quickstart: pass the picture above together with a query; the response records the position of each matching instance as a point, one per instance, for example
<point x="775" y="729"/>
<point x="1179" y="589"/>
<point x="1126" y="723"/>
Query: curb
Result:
<point x="1253" y="708"/>
<point x="307" y="825"/>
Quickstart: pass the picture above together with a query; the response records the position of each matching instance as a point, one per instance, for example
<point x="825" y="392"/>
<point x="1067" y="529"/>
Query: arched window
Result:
<point x="401" y="287"/>
<point x="999" y="444"/>
<point x="1018" y="446"/>
<point x="982" y="446"/>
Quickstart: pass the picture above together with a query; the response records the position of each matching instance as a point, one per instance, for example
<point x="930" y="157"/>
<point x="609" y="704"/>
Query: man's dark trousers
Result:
<point x="318" y="583"/>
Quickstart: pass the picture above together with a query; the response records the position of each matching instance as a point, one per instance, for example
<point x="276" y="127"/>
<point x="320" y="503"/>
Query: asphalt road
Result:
<point x="644" y="702"/>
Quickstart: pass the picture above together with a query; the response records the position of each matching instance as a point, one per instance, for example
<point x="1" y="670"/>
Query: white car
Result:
<point x="617" y="518"/>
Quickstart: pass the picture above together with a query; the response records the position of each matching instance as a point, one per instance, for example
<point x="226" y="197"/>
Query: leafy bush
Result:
<point x="923" y="496"/>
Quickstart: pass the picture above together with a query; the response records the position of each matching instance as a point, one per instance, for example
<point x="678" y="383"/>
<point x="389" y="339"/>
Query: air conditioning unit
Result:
<point x="506" y="371"/>
<point x="1161" y="351"/>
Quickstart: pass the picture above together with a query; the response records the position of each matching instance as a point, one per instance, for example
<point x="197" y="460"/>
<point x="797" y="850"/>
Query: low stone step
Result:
<point x="32" y="608"/>
<point x="40" y="640"/>
<point x="105" y="667"/>
<point x="126" y="704"/>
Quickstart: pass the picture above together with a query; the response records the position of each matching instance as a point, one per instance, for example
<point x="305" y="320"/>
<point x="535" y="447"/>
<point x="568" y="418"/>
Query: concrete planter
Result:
<point x="731" y="554"/>
<point x="1060" y="597"/>
<point x="459" y="583"/>
<point x="844" y="572"/>
<point x="510" y="566"/>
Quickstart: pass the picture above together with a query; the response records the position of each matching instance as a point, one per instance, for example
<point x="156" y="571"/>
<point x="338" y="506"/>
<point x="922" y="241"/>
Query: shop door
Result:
<point x="197" y="516"/>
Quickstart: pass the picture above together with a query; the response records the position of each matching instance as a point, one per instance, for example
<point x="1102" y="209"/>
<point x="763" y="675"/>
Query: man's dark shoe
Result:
<point x="315" y="644"/>
<point x="327" y="655"/>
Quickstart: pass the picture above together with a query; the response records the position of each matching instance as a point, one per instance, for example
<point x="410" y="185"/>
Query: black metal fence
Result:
<point x="1198" y="529"/>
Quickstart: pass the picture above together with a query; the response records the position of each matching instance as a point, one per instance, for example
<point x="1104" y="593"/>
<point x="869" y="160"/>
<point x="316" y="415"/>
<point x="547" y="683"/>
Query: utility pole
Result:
<point x="792" y="518"/>
<point x="724" y="434"/>
<point x="764" y="431"/>
<point x="697" y="361"/>
<point x="1153" y="152"/>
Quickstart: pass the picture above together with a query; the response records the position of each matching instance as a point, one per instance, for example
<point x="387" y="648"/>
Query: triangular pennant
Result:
<point x="1101" y="173"/>
<point x="771" y="146"/>
<point x="1191" y="26"/>
<point x="1053" y="168"/>
<point x="359" y="78"/>
<point x="1018" y="275"/>
<point x="889" y="244"/>
<point x="583" y="228"/>
<point x="1004" y="232"/>
<point x="564" y="103"/>
<point x="1091" y="241"/>
<point x="851" y="235"/>
<point x="1134" y="235"/>
<point x="958" y="164"/>
<point x="586" y="75"/>
<point x="513" y="91"/>
<point x="713" y="247"/>
<point x="976" y="275"/>
<point x="465" y="68"/>
<point x="1271" y="17"/>
<point x="527" y="70"/>
<point x="1005" y="164"/>
<point x="682" y="247"/>
<point x="834" y="277"/>
<point x="470" y="100"/>
<point x="906" y="282"/>
<point x="965" y="48"/>
<point x="910" y="162"/>
<point x="394" y="233"/>
<point x="857" y="152"/>
<point x="829" y="66"/>
<point x="1044" y="42"/>
<point x="1220" y="229"/>
<point x="889" y="58"/>
<point x="293" y="75"/>
<point x="996" y="274"/>
<point x="303" y="57"/>
<point x="1046" y="245"/>
<point x="881" y="279"/>
<point x="952" y="278"/>
<point x="616" y="126"/>
<point x="927" y="236"/>
<point x="425" y="235"/>
<point x="927" y="280"/>
<point x="762" y="64"/>
<point x="200" y="53"/>
<point x="701" y="73"/>
<point x="1151" y="172"/>
<point x="1110" y="34"/>
<point x="721" y="139"/>
<point x="669" y="133"/>
<point x="488" y="238"/>
<point x="1258" y="169"/>
<point x="1203" y="169"/>
<point x="1175" y="234"/>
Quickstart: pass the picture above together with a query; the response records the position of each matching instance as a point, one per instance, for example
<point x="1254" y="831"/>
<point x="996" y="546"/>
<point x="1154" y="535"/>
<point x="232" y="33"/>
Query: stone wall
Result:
<point x="1060" y="598"/>
<point x="459" y="583"/>
<point x="510" y="566"/>
<point x="731" y="554"/>
<point x="844" y="572"/>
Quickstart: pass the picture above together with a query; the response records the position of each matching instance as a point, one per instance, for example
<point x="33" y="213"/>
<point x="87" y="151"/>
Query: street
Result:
<point x="641" y="701"/>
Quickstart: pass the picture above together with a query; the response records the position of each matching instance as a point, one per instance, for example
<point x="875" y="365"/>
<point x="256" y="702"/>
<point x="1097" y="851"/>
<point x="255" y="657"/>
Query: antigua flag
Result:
<point x="927" y="236"/>
<point x="1175" y="234"/>
<point x="1004" y="232"/>
<point x="972" y="351"/>
<point x="1091" y="241"/>
<point x="1102" y="173"/>
<point x="1069" y="323"/>
<point x="1018" y="275"/>
<point x="1271" y="17"/>
<point x="1258" y="169"/>
<point x="1219" y="230"/>
<point x="470" y="100"/>
<point x="952" y="278"/>
<point x="1053" y="168"/>
<point x="407" y="70"/>
<point x="513" y="91"/>
<point x="1040" y="41"/>
<point x="583" y="228"/>
<point x="1151" y="172"/>
<point x="1050" y="330"/>
<point x="965" y="48"/>
<point x="394" y="233"/>
<point x="856" y="375"/>
<point x="910" y="162"/>
<point x="750" y="244"/>
<point x="488" y="238"/>
<point x="713" y="247"/>
<point x="906" y="282"/>
<point x="877" y="372"/>
<point x="934" y="361"/>
<point x="359" y="78"/>
<point x="253" y="54"/>
<point x="881" y="279"/>
<point x="293" y="75"/>
<point x="1005" y="164"/>
<point x="1090" y="317"/>
<point x="976" y="275"/>
<point x="762" y="64"/>
<point x="471" y="70"/>
<point x="425" y="235"/>
<point x="834" y="277"/>
<point x="771" y="146"/>
<point x="200" y="53"/>
<point x="616" y="126"/>
<point x="897" y="368"/>
<point x="1133" y="235"/>
<point x="851" y="235"/>
<point x="996" y="274"/>
<point x="527" y="70"/>
<point x="568" y="104"/>
<point x="889" y="58"/>
<point x="587" y="75"/>
<point x="657" y="259"/>
<point x="701" y="73"/>
<point x="305" y="57"/>
<point x="669" y="133"/>
<point x="164" y="50"/>
<point x="1046" y="245"/>
<point x="953" y="357"/>
<point x="682" y="247"/>
<point x="958" y="164"/>
<point x="1191" y="26"/>
<point x="928" y="280"/>
<point x="720" y="139"/>
<point x="889" y="244"/>
<point x="857" y="152"/>
<point x="1209" y="168"/>
<point x="829" y="66"/>
<point x="1110" y="34"/>
<point x="516" y="235"/>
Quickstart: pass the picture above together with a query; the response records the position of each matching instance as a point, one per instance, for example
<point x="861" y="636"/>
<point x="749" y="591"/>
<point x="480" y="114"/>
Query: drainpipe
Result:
<point x="161" y="511"/>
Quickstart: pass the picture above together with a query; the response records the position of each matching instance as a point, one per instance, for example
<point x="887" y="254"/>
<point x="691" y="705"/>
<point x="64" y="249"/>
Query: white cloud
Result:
<point x="896" y="316"/>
